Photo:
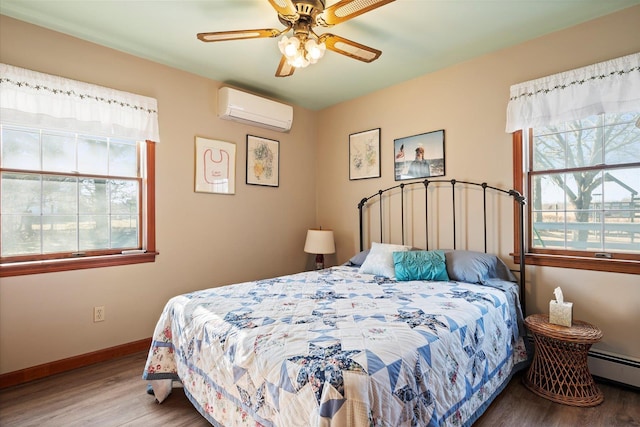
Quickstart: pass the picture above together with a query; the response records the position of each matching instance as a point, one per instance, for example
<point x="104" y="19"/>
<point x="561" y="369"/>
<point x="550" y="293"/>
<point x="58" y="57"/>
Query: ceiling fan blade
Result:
<point x="220" y="36"/>
<point x="347" y="9"/>
<point x="284" y="69"/>
<point x="350" y="48"/>
<point x="286" y="9"/>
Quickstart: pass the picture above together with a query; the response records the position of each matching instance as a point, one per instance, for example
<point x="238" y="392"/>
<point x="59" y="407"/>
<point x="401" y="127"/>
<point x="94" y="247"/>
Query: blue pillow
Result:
<point x="358" y="259"/>
<point x="420" y="265"/>
<point x="476" y="267"/>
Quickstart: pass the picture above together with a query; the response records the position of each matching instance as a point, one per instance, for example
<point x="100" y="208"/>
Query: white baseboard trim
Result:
<point x="614" y="367"/>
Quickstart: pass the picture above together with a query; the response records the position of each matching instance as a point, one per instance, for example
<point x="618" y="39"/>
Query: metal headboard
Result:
<point x="518" y="199"/>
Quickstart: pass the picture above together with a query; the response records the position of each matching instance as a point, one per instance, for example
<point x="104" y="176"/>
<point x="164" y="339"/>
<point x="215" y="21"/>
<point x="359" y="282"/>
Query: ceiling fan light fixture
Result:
<point x="314" y="50"/>
<point x="294" y="51"/>
<point x="300" y="52"/>
<point x="289" y="46"/>
<point x="299" y="61"/>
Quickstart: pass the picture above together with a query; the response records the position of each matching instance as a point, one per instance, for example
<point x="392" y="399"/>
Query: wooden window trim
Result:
<point x="563" y="259"/>
<point x="81" y="263"/>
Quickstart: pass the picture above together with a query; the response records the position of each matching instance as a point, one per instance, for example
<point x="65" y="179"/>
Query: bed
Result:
<point x="397" y="336"/>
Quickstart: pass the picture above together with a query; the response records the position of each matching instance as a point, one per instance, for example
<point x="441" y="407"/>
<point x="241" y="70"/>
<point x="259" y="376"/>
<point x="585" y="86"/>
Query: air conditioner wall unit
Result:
<point x="254" y="110"/>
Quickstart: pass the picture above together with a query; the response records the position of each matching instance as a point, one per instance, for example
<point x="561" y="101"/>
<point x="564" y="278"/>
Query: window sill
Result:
<point x="50" y="266"/>
<point x="582" y="263"/>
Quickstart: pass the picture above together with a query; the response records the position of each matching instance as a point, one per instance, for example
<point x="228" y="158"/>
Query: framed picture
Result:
<point x="215" y="166"/>
<point x="364" y="154"/>
<point x="419" y="156"/>
<point x="263" y="161"/>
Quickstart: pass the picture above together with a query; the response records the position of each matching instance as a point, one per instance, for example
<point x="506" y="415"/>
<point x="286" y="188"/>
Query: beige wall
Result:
<point x="469" y="101"/>
<point x="259" y="232"/>
<point x="204" y="239"/>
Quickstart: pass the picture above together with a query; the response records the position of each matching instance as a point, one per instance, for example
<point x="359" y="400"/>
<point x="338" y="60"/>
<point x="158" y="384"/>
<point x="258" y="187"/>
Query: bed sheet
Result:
<point x="338" y="348"/>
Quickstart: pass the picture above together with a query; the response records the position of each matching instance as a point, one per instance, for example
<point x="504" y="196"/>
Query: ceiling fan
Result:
<point x="306" y="47"/>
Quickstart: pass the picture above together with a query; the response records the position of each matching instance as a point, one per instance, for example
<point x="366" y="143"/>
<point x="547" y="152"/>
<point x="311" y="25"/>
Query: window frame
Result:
<point x="583" y="260"/>
<point x="19" y="268"/>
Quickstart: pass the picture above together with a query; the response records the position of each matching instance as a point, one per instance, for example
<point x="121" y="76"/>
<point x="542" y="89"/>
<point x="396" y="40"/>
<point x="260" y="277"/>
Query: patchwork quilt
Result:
<point x="338" y="348"/>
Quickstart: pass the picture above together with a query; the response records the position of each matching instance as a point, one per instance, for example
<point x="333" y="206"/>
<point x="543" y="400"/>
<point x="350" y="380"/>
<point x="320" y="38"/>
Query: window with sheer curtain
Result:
<point x="577" y="159"/>
<point x="77" y="174"/>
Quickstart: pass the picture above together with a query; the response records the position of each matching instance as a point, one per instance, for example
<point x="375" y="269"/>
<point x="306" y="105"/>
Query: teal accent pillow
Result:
<point x="420" y="265"/>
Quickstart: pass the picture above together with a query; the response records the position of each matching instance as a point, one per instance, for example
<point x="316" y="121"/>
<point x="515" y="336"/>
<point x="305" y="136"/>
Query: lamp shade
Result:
<point x="319" y="242"/>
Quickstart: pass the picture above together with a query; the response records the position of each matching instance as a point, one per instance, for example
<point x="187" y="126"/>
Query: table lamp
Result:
<point x="319" y="242"/>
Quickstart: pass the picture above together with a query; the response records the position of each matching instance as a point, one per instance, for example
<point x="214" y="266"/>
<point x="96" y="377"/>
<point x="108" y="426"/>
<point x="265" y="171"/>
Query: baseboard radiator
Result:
<point x="614" y="367"/>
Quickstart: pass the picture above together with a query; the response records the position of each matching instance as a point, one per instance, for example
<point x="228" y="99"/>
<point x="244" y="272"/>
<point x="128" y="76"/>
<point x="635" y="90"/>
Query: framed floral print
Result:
<point x="364" y="154"/>
<point x="263" y="161"/>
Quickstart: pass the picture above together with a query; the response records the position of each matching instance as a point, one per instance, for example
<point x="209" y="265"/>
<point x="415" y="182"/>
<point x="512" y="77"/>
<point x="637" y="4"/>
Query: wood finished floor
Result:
<point x="113" y="394"/>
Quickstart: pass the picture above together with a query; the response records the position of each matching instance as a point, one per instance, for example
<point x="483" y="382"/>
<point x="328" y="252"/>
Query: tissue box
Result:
<point x="560" y="313"/>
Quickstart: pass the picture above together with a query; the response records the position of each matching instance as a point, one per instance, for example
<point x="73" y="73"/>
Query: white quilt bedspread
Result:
<point x="338" y="348"/>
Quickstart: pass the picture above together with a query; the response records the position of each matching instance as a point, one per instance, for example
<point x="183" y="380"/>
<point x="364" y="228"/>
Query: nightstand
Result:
<point x="559" y="370"/>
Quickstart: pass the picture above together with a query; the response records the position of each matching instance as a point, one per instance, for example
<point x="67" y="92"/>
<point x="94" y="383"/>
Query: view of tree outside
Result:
<point x="63" y="192"/>
<point x="585" y="184"/>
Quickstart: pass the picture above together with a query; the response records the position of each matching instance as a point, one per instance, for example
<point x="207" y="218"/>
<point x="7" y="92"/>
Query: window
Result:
<point x="576" y="151"/>
<point x="582" y="181"/>
<point x="66" y="196"/>
<point x="77" y="174"/>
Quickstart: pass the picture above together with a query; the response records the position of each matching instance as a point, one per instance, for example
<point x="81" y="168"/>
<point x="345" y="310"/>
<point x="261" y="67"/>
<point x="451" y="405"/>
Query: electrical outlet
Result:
<point x="98" y="314"/>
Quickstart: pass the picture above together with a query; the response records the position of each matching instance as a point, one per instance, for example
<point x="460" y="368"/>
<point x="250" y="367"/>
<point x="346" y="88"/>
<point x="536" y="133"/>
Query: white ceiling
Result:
<point x="416" y="37"/>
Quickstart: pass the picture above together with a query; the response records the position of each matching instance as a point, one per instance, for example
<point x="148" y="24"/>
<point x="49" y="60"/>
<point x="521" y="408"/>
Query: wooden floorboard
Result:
<point x="113" y="394"/>
<point x="517" y="406"/>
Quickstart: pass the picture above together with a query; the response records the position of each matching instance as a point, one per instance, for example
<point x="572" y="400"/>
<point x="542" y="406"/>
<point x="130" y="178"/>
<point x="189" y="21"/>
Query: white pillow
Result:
<point x="380" y="259"/>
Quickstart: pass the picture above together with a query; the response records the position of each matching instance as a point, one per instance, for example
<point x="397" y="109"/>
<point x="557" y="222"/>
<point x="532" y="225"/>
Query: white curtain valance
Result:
<point x="607" y="87"/>
<point x="30" y="97"/>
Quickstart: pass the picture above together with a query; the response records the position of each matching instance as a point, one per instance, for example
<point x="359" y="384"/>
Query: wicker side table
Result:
<point x="559" y="370"/>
